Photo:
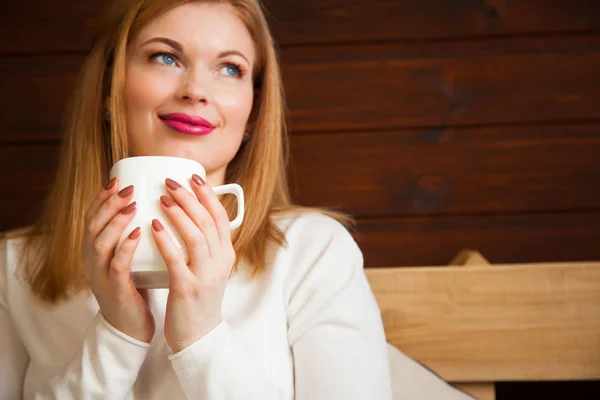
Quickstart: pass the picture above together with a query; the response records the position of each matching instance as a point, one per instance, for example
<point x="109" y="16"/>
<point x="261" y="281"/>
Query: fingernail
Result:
<point x="166" y="201"/>
<point x="171" y="184"/>
<point x="156" y="225"/>
<point x="135" y="233"/>
<point x="110" y="184"/>
<point x="126" y="192"/>
<point x="129" y="209"/>
<point x="198" y="180"/>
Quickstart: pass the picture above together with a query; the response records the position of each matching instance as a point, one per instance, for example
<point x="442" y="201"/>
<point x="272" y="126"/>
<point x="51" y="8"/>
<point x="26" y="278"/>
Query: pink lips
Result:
<point x="187" y="124"/>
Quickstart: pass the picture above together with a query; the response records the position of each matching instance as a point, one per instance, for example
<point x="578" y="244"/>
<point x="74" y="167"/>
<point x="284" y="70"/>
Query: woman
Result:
<point x="279" y="309"/>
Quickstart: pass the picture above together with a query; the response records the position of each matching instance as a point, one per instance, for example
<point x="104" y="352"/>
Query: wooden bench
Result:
<point x="478" y="324"/>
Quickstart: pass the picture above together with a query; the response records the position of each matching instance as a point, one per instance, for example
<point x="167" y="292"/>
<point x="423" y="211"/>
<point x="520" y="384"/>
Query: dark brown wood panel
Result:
<point x="368" y="87"/>
<point x="369" y="91"/>
<point x="501" y="239"/>
<point x="33" y="95"/>
<point x="66" y="25"/>
<point x="356" y="20"/>
<point x="453" y="171"/>
<point x="27" y="173"/>
<point x="46" y="26"/>
<point x="439" y="171"/>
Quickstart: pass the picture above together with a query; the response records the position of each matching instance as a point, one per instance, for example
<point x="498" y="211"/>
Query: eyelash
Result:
<point x="238" y="67"/>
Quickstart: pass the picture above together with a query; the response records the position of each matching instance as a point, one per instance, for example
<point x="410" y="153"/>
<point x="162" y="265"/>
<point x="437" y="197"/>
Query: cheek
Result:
<point x="143" y="91"/>
<point x="237" y="106"/>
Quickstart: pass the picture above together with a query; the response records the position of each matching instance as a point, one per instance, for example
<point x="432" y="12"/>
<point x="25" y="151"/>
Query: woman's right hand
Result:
<point x="107" y="270"/>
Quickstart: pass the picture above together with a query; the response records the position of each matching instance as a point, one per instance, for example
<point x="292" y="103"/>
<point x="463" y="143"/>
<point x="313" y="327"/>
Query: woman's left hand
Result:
<point x="196" y="289"/>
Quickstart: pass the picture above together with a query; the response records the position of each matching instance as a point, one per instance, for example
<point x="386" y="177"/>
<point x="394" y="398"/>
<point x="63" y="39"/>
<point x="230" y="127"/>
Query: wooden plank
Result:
<point x="379" y="87"/>
<point x="390" y="241"/>
<point x="483" y="170"/>
<point x="482" y="324"/>
<point x="481" y="391"/>
<point x="27" y="172"/>
<point x="369" y="87"/>
<point x="360" y="20"/>
<point x="544" y="168"/>
<point x="66" y="25"/>
<point x="467" y="258"/>
<point x="502" y="238"/>
<point x="46" y="26"/>
<point x="33" y="95"/>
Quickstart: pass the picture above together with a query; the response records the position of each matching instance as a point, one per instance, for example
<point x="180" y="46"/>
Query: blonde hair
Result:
<point x="52" y="251"/>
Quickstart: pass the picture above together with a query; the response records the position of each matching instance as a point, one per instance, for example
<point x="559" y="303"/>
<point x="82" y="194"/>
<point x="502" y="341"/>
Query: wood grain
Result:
<point x="484" y="324"/>
<point x="27" y="174"/>
<point x="33" y="95"/>
<point x="441" y="171"/>
<point x="385" y="241"/>
<point x="502" y="239"/>
<point x="370" y="86"/>
<point x="481" y="391"/>
<point x="385" y="86"/>
<point x="318" y="21"/>
<point x="33" y="25"/>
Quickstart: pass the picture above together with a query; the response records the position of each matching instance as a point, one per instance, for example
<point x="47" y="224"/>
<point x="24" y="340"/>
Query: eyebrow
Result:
<point x="179" y="47"/>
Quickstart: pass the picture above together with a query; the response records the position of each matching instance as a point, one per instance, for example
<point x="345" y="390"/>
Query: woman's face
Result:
<point x="188" y="86"/>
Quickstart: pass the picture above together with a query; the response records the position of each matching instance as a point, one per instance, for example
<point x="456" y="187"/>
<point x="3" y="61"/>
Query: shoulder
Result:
<point x="320" y="252"/>
<point x="11" y="245"/>
<point x="314" y="230"/>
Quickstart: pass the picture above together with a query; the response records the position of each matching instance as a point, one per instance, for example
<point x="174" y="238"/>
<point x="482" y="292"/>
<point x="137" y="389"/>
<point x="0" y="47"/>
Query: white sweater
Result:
<point x="306" y="328"/>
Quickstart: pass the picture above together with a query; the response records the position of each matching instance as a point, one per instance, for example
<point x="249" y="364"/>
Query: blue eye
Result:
<point x="165" y="58"/>
<point x="232" y="71"/>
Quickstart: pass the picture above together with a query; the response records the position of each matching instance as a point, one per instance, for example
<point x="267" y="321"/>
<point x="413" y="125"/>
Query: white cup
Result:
<point x="147" y="175"/>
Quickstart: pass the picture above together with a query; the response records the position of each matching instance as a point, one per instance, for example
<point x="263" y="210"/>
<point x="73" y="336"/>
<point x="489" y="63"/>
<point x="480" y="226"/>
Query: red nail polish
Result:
<point x="198" y="180"/>
<point x="167" y="201"/>
<point x="110" y="184"/>
<point x="129" y="209"/>
<point x="135" y="233"/>
<point x="156" y="225"/>
<point x="126" y="192"/>
<point x="171" y="184"/>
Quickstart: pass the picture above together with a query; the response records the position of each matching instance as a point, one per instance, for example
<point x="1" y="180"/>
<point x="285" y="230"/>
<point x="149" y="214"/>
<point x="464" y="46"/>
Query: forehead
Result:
<point x="201" y="27"/>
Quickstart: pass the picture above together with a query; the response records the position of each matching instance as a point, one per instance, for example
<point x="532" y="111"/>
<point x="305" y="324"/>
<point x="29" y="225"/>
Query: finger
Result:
<point x="198" y="214"/>
<point x="108" y="210"/>
<point x="196" y="241"/>
<point x="210" y="201"/>
<point x="108" y="190"/>
<point x="109" y="237"/>
<point x="178" y="270"/>
<point x="119" y="272"/>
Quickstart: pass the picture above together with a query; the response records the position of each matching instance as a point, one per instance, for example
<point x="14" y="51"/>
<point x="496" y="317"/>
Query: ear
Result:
<point x="250" y="126"/>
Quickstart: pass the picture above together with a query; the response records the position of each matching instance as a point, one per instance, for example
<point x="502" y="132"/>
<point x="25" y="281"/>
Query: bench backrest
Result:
<point x="497" y="322"/>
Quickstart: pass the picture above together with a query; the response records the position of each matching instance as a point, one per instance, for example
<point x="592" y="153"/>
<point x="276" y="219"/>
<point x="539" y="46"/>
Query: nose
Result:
<point x="194" y="88"/>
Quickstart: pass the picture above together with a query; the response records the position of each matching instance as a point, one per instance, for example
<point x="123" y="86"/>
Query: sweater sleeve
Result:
<point x="335" y="327"/>
<point x="14" y="358"/>
<point x="105" y="367"/>
<point x="221" y="366"/>
<point x="334" y="330"/>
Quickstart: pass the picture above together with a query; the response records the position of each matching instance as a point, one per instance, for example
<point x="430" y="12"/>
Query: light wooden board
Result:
<point x="484" y="324"/>
<point x="481" y="391"/>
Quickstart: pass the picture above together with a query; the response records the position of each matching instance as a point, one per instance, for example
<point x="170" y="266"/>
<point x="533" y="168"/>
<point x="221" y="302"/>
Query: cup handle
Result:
<point x="236" y="190"/>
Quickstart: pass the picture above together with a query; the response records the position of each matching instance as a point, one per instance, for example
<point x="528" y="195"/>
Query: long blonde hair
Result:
<point x="52" y="252"/>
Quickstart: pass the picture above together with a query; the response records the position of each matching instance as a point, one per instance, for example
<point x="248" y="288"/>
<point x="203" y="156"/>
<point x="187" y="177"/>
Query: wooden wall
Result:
<point x="439" y="124"/>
